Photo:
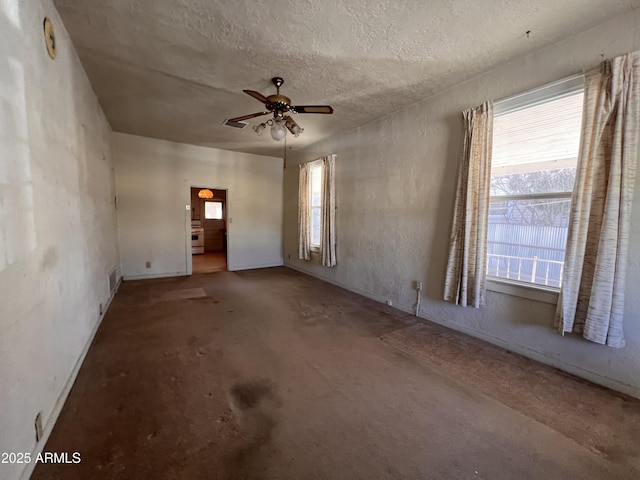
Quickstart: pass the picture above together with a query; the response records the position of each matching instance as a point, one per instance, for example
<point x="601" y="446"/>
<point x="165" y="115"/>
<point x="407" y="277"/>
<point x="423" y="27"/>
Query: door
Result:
<point x="214" y="223"/>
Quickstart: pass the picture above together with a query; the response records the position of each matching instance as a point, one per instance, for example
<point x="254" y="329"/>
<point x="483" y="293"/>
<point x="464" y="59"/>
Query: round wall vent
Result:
<point x="49" y="38"/>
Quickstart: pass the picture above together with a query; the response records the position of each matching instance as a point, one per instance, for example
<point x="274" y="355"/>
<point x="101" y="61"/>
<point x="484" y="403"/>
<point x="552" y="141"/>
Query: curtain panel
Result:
<point x="466" y="267"/>
<point x="328" y="224"/>
<point x="591" y="300"/>
<point x="304" y="220"/>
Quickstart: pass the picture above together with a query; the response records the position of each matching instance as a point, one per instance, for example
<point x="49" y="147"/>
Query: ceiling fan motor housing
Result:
<point x="278" y="104"/>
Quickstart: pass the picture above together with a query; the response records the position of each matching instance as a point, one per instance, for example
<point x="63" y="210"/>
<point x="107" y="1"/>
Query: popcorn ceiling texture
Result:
<point x="176" y="69"/>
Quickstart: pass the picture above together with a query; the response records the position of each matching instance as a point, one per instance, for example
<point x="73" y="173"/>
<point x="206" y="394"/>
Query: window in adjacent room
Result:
<point x="536" y="138"/>
<point x="213" y="210"/>
<point x="315" y="203"/>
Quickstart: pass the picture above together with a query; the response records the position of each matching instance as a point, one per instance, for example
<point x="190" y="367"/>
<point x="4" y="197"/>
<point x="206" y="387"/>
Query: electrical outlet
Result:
<point x="101" y="309"/>
<point x="148" y="264"/>
<point x="38" y="425"/>
<point x="289" y="256"/>
<point x="419" y="285"/>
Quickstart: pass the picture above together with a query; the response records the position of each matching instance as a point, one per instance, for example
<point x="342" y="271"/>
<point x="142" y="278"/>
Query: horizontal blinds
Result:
<point x="542" y="136"/>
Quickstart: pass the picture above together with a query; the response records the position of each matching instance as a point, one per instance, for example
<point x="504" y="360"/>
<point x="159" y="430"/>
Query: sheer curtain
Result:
<point x="592" y="296"/>
<point x="304" y="220"/>
<point x="328" y="225"/>
<point x="466" y="268"/>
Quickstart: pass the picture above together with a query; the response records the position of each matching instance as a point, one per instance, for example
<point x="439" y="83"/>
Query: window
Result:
<point x="536" y="138"/>
<point x="213" y="210"/>
<point x="315" y="202"/>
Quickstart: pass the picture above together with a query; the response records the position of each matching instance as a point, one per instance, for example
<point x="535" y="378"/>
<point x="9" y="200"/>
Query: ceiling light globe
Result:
<point x="278" y="132"/>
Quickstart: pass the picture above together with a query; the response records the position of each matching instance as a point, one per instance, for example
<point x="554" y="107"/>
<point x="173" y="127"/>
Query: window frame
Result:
<point x="553" y="91"/>
<point x="221" y="209"/>
<point x="316" y="164"/>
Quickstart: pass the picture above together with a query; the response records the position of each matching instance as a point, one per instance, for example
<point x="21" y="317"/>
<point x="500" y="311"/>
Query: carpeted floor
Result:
<point x="270" y="374"/>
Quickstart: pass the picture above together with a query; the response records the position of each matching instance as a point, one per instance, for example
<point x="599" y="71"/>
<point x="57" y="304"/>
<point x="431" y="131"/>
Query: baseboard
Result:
<point x="62" y="398"/>
<point x="592" y="377"/>
<point x="155" y="275"/>
<point x="253" y="267"/>
<point x="519" y="349"/>
<point x="364" y="293"/>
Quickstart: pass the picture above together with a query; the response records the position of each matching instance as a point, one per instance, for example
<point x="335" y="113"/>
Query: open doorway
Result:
<point x="208" y="230"/>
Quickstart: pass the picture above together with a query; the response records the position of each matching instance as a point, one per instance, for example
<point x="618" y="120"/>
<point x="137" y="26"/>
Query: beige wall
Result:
<point x="395" y="191"/>
<point x="153" y="180"/>
<point x="58" y="238"/>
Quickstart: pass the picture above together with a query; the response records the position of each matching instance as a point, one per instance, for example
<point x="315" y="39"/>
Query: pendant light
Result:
<point x="205" y="193"/>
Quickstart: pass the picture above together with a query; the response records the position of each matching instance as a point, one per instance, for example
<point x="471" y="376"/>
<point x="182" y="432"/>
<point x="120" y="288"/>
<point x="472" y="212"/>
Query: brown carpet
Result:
<point x="276" y="375"/>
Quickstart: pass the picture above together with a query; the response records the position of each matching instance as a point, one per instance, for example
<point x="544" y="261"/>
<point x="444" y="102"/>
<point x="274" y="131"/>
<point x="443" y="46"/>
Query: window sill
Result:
<point x="314" y="249"/>
<point x="539" y="293"/>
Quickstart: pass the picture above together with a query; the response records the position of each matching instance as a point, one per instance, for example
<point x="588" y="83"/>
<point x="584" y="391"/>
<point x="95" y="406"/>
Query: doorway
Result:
<point x="208" y="230"/>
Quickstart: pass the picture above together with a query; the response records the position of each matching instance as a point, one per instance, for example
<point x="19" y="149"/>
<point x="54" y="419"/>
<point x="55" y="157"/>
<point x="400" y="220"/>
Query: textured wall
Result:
<point x="58" y="237"/>
<point x="395" y="190"/>
<point x="153" y="179"/>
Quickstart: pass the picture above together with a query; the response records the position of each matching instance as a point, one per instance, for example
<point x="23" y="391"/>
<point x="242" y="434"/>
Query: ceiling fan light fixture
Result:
<point x="278" y="130"/>
<point x="259" y="129"/>
<point x="279" y="105"/>
<point x="297" y="130"/>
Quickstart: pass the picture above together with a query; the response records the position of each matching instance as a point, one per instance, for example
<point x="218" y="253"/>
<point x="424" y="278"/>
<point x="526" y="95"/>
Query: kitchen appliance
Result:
<point x="197" y="238"/>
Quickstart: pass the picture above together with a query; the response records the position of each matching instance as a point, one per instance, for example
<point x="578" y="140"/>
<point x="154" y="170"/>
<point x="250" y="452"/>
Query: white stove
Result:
<point x="197" y="238"/>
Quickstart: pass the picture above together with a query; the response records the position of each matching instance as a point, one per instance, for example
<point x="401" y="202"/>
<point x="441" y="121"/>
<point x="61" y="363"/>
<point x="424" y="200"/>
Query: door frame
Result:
<point x="227" y="216"/>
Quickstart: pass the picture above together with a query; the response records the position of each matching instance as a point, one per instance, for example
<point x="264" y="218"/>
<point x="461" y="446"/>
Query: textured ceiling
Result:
<point x="175" y="69"/>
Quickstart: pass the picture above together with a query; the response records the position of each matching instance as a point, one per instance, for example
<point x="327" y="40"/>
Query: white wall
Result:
<point x="153" y="179"/>
<point x="395" y="191"/>
<point x="58" y="236"/>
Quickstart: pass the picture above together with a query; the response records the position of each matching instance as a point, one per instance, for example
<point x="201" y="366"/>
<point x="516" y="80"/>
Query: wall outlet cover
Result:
<point x="148" y="264"/>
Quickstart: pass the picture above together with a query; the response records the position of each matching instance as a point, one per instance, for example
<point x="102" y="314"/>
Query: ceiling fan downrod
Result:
<point x="277" y="81"/>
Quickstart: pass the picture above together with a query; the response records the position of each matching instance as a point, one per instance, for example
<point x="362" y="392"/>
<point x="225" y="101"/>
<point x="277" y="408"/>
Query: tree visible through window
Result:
<point x="533" y="169"/>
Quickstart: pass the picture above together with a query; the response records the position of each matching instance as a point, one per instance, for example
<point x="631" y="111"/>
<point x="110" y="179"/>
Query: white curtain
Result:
<point x="466" y="268"/>
<point x="592" y="296"/>
<point x="328" y="225"/>
<point x="304" y="219"/>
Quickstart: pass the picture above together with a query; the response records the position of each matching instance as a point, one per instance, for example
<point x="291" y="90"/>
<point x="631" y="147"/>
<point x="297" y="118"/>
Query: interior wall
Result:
<point x="153" y="180"/>
<point x="395" y="190"/>
<point x="58" y="235"/>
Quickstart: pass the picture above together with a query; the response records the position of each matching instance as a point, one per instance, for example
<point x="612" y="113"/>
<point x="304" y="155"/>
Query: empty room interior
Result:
<point x="319" y="240"/>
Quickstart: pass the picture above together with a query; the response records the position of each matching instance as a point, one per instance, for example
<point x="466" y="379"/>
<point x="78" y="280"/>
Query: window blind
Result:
<point x="540" y="136"/>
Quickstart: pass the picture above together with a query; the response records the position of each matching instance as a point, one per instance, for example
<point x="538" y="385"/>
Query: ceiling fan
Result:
<point x="280" y="105"/>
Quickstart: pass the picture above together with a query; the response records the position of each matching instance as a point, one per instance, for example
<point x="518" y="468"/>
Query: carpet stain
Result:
<point x="249" y="394"/>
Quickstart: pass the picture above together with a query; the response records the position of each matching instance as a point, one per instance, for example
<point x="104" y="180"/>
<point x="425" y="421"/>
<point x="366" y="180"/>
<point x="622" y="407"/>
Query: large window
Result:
<point x="315" y="202"/>
<point x="535" y="149"/>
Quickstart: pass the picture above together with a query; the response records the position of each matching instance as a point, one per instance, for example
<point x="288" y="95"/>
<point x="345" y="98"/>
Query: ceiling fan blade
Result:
<point x="247" y="117"/>
<point x="312" y="109"/>
<point x="292" y="126"/>
<point x="257" y="95"/>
